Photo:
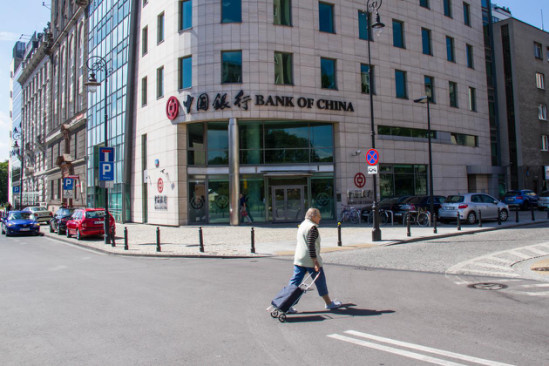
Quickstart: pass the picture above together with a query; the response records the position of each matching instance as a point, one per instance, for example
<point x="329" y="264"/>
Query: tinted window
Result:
<point x="328" y="73"/>
<point x="231" y="11"/>
<point x="326" y="17"/>
<point x="455" y="199"/>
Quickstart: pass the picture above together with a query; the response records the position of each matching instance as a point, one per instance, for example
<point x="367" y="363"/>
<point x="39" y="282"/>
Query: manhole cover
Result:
<point x="487" y="286"/>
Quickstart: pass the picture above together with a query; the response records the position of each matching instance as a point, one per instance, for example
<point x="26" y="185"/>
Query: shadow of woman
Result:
<point x="346" y="310"/>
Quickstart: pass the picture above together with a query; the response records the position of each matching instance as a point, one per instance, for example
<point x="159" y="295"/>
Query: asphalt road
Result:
<point x="65" y="305"/>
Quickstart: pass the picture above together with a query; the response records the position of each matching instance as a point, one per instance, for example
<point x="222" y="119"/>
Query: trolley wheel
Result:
<point x="274" y="313"/>
<point x="282" y="318"/>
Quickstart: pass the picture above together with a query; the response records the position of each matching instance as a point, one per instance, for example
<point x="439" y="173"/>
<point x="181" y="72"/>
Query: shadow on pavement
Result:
<point x="345" y="309"/>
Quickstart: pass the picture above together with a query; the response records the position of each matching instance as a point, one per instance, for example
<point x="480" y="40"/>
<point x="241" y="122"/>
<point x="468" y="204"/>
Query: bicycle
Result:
<point x="349" y="214"/>
<point x="383" y="217"/>
<point x="421" y="217"/>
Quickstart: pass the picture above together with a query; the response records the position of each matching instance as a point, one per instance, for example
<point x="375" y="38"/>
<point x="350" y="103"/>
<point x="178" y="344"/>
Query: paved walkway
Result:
<point x="273" y="239"/>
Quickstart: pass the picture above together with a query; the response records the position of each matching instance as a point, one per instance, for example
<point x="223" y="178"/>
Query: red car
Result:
<point x="88" y="222"/>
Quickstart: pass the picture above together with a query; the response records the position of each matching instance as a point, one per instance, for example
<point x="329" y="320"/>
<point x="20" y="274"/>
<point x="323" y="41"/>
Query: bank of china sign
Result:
<point x="242" y="101"/>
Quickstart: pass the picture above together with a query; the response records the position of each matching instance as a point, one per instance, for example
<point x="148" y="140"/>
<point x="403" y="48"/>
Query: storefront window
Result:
<point x="218" y="143"/>
<point x="322" y="196"/>
<point x="403" y="180"/>
<point x="253" y="190"/>
<point x="195" y="137"/>
<point x="197" y="200"/>
<point x="218" y="199"/>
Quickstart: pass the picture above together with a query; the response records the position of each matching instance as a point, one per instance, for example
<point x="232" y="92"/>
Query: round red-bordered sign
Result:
<point x="372" y="157"/>
<point x="172" y="108"/>
<point x="160" y="185"/>
<point x="360" y="180"/>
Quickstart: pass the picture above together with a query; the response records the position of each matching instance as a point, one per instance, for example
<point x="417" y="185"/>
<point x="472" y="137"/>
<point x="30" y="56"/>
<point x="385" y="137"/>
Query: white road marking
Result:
<point x="416" y="347"/>
<point x="536" y="285"/>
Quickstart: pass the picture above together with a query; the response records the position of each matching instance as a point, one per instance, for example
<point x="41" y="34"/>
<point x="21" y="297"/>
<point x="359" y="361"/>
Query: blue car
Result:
<point x="521" y="198"/>
<point x="20" y="222"/>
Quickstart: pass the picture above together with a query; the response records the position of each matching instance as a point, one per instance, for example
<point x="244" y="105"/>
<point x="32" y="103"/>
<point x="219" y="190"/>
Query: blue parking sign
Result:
<point x="16" y="189"/>
<point x="68" y="184"/>
<point x="106" y="171"/>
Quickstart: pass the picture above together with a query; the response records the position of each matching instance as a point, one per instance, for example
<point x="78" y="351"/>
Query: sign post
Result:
<point x="106" y="175"/>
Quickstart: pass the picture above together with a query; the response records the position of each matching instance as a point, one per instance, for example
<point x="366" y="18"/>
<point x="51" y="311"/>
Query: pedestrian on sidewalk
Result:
<point x="244" y="213"/>
<point x="307" y="258"/>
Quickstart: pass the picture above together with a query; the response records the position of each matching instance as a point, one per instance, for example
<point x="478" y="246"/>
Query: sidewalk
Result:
<point x="270" y="239"/>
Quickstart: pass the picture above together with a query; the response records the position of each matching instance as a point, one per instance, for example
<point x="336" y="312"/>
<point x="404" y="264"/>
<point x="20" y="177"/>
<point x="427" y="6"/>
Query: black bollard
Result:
<point x="339" y="234"/>
<point x="533" y="215"/>
<point x="408" y="228"/>
<point x="158" y="248"/>
<point x="499" y="217"/>
<point x="201" y="239"/>
<point x="125" y="238"/>
<point x="516" y="214"/>
<point x="252" y="234"/>
<point x="479" y="218"/>
<point x="458" y="222"/>
<point x="435" y="223"/>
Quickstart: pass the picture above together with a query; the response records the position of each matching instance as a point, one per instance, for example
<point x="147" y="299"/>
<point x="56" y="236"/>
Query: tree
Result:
<point x="4" y="167"/>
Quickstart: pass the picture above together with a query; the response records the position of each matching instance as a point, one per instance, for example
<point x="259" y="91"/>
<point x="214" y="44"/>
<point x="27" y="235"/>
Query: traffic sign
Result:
<point x="68" y="193"/>
<point x="68" y="184"/>
<point x="106" y="170"/>
<point x="16" y="189"/>
<point x="372" y="169"/>
<point x="106" y="154"/>
<point x="372" y="157"/>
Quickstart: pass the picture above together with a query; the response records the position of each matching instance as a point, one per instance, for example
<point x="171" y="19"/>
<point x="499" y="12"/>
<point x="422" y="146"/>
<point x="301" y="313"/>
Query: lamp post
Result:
<point x="95" y="64"/>
<point x="371" y="7"/>
<point x="426" y="99"/>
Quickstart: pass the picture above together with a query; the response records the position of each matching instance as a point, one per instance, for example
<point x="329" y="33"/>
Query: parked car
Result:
<point x="469" y="204"/>
<point x="414" y="203"/>
<point x="40" y="214"/>
<point x="58" y="223"/>
<point x="88" y="222"/>
<point x="521" y="198"/>
<point x="543" y="201"/>
<point x="20" y="222"/>
<point x="384" y="204"/>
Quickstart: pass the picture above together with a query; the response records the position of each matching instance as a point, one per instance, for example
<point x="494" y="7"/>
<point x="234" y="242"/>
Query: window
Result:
<point x="328" y="73"/>
<point x="326" y="17"/>
<point x="538" y="53"/>
<point x="398" y="34"/>
<point x="544" y="143"/>
<point x="231" y="11"/>
<point x="160" y="82"/>
<point x="400" y="84"/>
<point x="283" y="63"/>
<point x="542" y="112"/>
<point x="185" y="72"/>
<point x="472" y="99"/>
<point x="363" y="20"/>
<point x="282" y="12"/>
<point x="231" y="66"/>
<point x="450" y="55"/>
<point x="405" y="132"/>
<point x="160" y="28"/>
<point x="470" y="62"/>
<point x="366" y="85"/>
<point x="429" y="82"/>
<point x="452" y="86"/>
<point x="466" y="14"/>
<point x="426" y="41"/>
<point x="447" y="7"/>
<point x="185" y="14"/>
<point x="144" y="91"/>
<point x="424" y="3"/>
<point x="540" y="80"/>
<point x="463" y="139"/>
<point x="144" y="41"/>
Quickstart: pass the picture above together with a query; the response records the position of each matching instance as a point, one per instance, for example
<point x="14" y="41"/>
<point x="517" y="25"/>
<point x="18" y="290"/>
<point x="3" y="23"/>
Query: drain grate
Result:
<point x="487" y="286"/>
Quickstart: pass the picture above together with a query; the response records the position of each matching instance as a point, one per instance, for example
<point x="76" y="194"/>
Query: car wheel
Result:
<point x="503" y="215"/>
<point x="471" y="218"/>
<point x="78" y="235"/>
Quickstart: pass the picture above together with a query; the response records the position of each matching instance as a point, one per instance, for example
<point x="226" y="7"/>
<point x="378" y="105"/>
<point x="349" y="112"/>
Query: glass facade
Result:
<point x="109" y="37"/>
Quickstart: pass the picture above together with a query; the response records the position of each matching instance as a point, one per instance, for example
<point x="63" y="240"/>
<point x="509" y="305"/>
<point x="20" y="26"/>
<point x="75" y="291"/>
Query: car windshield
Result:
<point x="512" y="193"/>
<point x="95" y="214"/>
<point x="20" y="216"/>
<point x="455" y="199"/>
<point x="64" y="212"/>
<point x="530" y="193"/>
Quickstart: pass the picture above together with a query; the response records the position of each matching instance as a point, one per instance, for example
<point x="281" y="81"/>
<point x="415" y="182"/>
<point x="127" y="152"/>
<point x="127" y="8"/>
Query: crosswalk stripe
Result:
<point x="487" y="265"/>
<point x="536" y="285"/>
<point x="538" y="251"/>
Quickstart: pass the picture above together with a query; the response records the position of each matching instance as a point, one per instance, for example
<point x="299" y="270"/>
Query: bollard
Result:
<point x="201" y="239"/>
<point x="479" y="218"/>
<point x="458" y="222"/>
<point x="125" y="238"/>
<point x="408" y="228"/>
<point x="516" y="214"/>
<point x="339" y="234"/>
<point x="533" y="215"/>
<point x="435" y="230"/>
<point x="252" y="234"/>
<point x="158" y="248"/>
<point x="113" y="243"/>
<point x="499" y="217"/>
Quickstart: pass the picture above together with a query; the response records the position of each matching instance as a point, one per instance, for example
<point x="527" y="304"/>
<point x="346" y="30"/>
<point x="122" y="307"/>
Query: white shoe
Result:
<point x="333" y="305"/>
<point x="291" y="310"/>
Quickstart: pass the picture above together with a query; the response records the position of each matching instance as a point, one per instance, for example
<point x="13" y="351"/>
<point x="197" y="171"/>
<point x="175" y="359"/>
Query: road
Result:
<point x="65" y="305"/>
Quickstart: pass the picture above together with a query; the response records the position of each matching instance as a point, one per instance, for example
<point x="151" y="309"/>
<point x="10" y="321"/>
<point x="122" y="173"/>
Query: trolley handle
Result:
<point x="308" y="286"/>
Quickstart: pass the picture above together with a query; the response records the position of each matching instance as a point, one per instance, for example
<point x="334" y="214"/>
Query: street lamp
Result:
<point x="426" y="99"/>
<point x="371" y="7"/>
<point x="95" y="64"/>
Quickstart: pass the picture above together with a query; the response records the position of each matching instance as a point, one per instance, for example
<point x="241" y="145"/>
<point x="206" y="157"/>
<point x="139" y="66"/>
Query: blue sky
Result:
<point x="24" y="17"/>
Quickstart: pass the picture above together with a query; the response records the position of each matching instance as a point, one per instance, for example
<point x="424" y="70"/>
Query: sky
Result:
<point x="21" y="18"/>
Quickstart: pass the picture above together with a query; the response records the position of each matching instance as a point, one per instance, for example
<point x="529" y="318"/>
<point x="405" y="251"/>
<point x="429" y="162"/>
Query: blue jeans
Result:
<point x="299" y="274"/>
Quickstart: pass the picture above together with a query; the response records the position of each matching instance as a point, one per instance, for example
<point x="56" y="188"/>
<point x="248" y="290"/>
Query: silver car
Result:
<point x="40" y="214"/>
<point x="543" y="201"/>
<point x="469" y="205"/>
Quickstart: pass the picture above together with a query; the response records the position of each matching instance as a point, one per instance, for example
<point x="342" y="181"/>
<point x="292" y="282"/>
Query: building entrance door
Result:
<point x="288" y="203"/>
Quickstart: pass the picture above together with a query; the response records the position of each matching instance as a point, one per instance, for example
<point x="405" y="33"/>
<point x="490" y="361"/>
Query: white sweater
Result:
<point x="302" y="257"/>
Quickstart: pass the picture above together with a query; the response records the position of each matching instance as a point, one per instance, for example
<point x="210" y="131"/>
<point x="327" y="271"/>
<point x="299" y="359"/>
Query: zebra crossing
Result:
<point x="502" y="265"/>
